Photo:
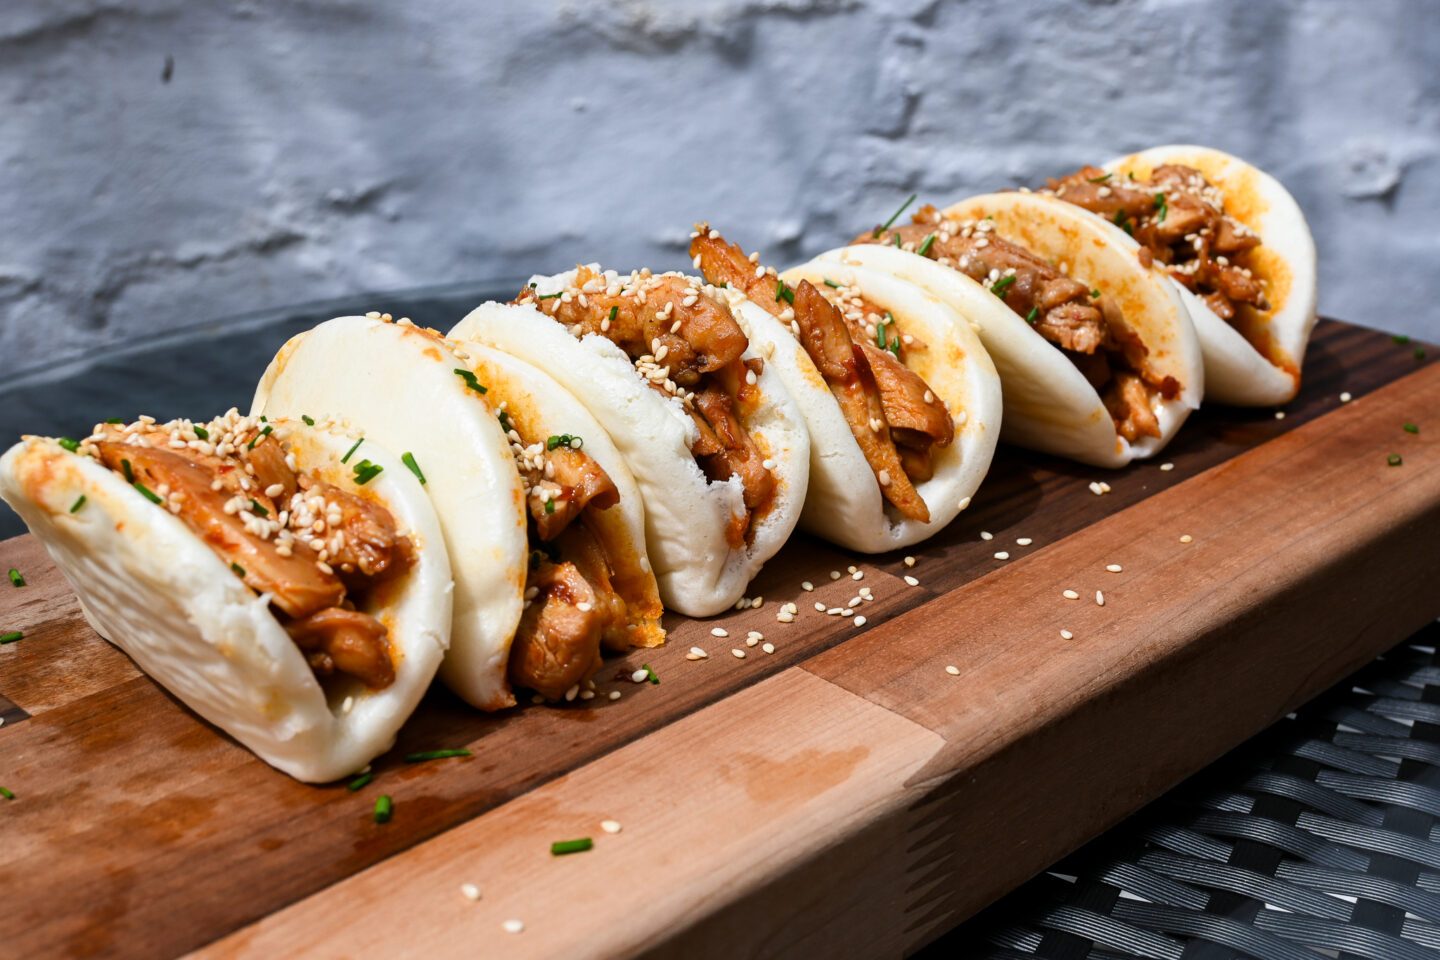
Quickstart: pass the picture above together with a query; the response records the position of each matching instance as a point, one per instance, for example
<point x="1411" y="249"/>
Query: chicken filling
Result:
<point x="1085" y="324"/>
<point x="315" y="550"/>
<point x="1179" y="219"/>
<point x="685" y="344"/>
<point x="896" y="419"/>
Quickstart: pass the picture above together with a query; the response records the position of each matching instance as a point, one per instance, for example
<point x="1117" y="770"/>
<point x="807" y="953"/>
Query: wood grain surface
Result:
<point x="844" y="793"/>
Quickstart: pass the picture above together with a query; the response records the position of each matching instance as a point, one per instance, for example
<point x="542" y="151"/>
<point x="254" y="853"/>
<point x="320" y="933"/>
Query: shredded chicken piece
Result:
<point x="557" y="644"/>
<point x="1128" y="401"/>
<point x="347" y="641"/>
<point x="295" y="584"/>
<point x="842" y="364"/>
<point x="581" y="546"/>
<point x="581" y="482"/>
<point x="371" y="549"/>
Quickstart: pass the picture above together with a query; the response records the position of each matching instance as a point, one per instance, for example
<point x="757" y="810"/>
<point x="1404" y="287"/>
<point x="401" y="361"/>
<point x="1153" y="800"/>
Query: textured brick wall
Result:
<point x="303" y="150"/>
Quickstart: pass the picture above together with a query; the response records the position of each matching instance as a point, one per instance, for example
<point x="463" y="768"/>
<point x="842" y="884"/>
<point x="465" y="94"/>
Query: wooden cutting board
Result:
<point x="847" y="793"/>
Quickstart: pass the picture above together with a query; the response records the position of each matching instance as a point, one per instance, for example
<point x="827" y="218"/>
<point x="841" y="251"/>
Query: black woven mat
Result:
<point x="1320" y="837"/>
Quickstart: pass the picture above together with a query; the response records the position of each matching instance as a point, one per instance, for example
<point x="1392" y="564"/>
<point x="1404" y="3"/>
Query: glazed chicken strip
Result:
<point x="576" y="481"/>
<point x="345" y="640"/>
<point x="557" y="644"/>
<point x="295" y="584"/>
<point x="843" y="365"/>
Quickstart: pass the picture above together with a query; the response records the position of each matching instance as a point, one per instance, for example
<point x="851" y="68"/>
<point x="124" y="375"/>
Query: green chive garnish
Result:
<point x="1394" y="460"/>
<point x="309" y="421"/>
<point x="256" y="439"/>
<point x="895" y="346"/>
<point x="1161" y="206"/>
<point x="561" y="847"/>
<point x="6" y="794"/>
<point x="383" y="807"/>
<point x="78" y="503"/>
<point x="1122" y="220"/>
<point x="563" y="440"/>
<point x="1130" y="175"/>
<point x="894" y="217"/>
<point x="149" y="494"/>
<point x="15" y="578"/>
<point x="783" y="292"/>
<point x="359" y="782"/>
<point x="613" y="312"/>
<point x="831" y="283"/>
<point x="550" y="296"/>
<point x="1101" y="179"/>
<point x="880" y="337"/>
<point x="346" y="458"/>
<point x="201" y="432"/>
<point x="1032" y="315"/>
<point x="925" y="247"/>
<point x="114" y="420"/>
<point x="365" y="471"/>
<point x="255" y="507"/>
<point x="1409" y="428"/>
<point x="549" y="506"/>
<point x="896" y="238"/>
<point x="408" y="459"/>
<point x="1400" y="338"/>
<point x="650" y="674"/>
<point x="239" y="570"/>
<point x="126" y="469"/>
<point x="470" y="381"/>
<point x="504" y="417"/>
<point x="1002" y="285"/>
<point x="11" y="637"/>
<point x="435" y="755"/>
<point x="68" y="444"/>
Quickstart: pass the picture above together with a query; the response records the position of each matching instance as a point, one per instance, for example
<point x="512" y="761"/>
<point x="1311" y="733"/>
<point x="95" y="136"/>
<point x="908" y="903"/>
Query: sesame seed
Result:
<point x="1186" y="538"/>
<point x="1279" y="414"/>
<point x="834" y="611"/>
<point x="583" y="606"/>
<point x="1114" y="567"/>
<point x="768" y="464"/>
<point x="1070" y="595"/>
<point x="614" y="694"/>
<point x="857" y="575"/>
<point x="855" y="601"/>
<point x="755" y="635"/>
<point x="834" y="574"/>
<point x="964" y="503"/>
<point x="275" y="489"/>
<point x="1066" y="635"/>
<point x="1167" y="467"/>
<point x="639" y="676"/>
<point x="911" y="581"/>
<point x="699" y="653"/>
<point x="1104" y="487"/>
<point x="738" y="653"/>
<point x="807" y="586"/>
<point x="884" y="477"/>
<point x="768" y="647"/>
<point x="819" y="606"/>
<point x="610" y="826"/>
<point x="572" y="693"/>
<point x="719" y="632"/>
<point x="1024" y="541"/>
<point x="851" y="569"/>
<point x="860" y="621"/>
<point x="1345" y="397"/>
<point x="513" y="926"/>
<point x="1002" y="555"/>
<point x="1099" y="599"/>
<point x="986" y="535"/>
<point x="470" y="891"/>
<point x="954" y="671"/>
<point x="587" y="694"/>
<point x="1095" y="488"/>
<point x="785" y="616"/>
<point x="909" y="561"/>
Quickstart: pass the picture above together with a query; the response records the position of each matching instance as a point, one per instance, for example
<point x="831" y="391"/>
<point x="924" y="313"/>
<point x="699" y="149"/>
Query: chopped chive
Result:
<point x="239" y="570"/>
<point x="563" y="440"/>
<point x="1002" y="285"/>
<point x="1032" y="315"/>
<point x="1162" y="206"/>
<point x="925" y="247"/>
<point x="896" y="238"/>
<point x="255" y="507"/>
<point x="532" y="284"/>
<point x="880" y="337"/>
<point x="831" y="283"/>
<point x="549" y="506"/>
<point x="561" y="847"/>
<point x="723" y="283"/>
<point x="614" y="311"/>
<point x="470" y="381"/>
<point x="1095" y="293"/>
<point x="1131" y="175"/>
<point x="126" y="469"/>
<point x="11" y="637"/>
<point x="365" y="471"/>
<point x="1102" y="178"/>
<point x="504" y="417"/>
<point x="408" y="459"/>
<point x="1409" y="428"/>
<point x="348" y="453"/>
<point x="650" y="674"/>
<point x="78" y="503"/>
<point x="6" y="794"/>
<point x="435" y="755"/>
<point x="1400" y="338"/>
<point x="550" y="296"/>
<point x="359" y="782"/>
<point x="1122" y="220"/>
<point x="114" y="420"/>
<point x="309" y="421"/>
<point x="68" y="444"/>
<point x="201" y="432"/>
<point x="783" y="292"/>
<point x="895" y="216"/>
<point x="256" y="439"/>
<point x="1394" y="460"/>
<point x="264" y="419"/>
<point x="1419" y="353"/>
<point x="895" y="346"/>
<point x="149" y="494"/>
<point x="383" y="807"/>
<point x="16" y="578"/>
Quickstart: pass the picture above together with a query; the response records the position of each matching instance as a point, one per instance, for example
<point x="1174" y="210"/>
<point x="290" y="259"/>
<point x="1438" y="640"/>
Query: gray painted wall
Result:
<point x="304" y="150"/>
